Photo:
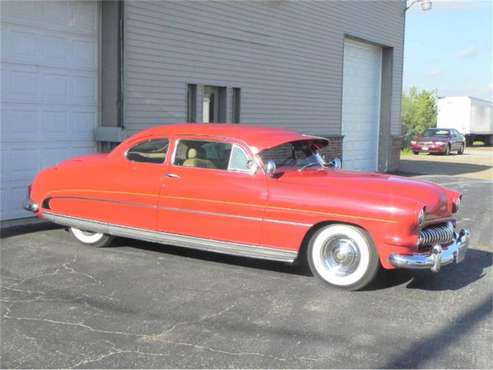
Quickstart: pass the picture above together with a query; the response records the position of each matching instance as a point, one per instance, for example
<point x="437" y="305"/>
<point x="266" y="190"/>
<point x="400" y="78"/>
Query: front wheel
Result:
<point x="89" y="238"/>
<point x="461" y="149"/>
<point x="343" y="256"/>
<point x="447" y="150"/>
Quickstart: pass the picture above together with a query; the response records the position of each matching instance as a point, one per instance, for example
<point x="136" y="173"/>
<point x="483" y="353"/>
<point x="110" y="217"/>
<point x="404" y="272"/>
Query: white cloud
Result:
<point x="435" y="72"/>
<point x="469" y="52"/>
<point x="460" y="4"/>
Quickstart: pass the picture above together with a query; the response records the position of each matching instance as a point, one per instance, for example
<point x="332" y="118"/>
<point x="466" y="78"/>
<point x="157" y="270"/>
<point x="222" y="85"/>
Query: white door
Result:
<point x="49" y="90"/>
<point x="361" y="105"/>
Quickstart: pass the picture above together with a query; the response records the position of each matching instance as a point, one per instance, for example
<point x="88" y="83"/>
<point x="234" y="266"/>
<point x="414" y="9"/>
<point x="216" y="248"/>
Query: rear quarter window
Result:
<point x="149" y="151"/>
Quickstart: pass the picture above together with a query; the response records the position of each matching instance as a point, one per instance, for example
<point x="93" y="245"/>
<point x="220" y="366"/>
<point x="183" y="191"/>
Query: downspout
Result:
<point x="121" y="60"/>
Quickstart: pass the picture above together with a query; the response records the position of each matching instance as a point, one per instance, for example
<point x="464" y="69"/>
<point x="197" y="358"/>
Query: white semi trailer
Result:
<point x="472" y="117"/>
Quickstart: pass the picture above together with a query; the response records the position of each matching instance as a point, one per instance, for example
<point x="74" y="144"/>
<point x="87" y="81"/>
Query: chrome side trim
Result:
<point x="113" y="201"/>
<point x="186" y="210"/>
<point x="250" y="218"/>
<point x="237" y="249"/>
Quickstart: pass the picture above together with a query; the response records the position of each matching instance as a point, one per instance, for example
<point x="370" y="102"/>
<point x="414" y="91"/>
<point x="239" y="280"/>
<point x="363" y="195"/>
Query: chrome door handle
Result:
<point x="173" y="175"/>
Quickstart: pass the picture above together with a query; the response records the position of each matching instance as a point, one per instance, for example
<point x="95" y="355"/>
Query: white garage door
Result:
<point x="361" y="105"/>
<point x="49" y="90"/>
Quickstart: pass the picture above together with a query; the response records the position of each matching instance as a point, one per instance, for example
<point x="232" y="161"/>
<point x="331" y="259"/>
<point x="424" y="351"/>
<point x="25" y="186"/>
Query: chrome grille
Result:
<point x="436" y="234"/>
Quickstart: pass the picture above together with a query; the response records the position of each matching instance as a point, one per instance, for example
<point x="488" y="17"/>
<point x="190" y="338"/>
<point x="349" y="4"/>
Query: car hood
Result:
<point x="376" y="186"/>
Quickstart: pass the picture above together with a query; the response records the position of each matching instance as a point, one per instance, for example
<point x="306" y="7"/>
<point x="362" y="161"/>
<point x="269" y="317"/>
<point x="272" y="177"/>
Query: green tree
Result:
<point x="419" y="112"/>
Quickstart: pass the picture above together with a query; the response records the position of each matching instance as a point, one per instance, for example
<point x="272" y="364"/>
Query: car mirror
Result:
<point x="270" y="168"/>
<point x="335" y="163"/>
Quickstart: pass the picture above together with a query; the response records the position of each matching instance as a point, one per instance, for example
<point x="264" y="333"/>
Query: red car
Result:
<point x="439" y="140"/>
<point x="256" y="192"/>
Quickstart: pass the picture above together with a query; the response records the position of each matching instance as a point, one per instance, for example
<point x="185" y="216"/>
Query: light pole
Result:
<point x="424" y="4"/>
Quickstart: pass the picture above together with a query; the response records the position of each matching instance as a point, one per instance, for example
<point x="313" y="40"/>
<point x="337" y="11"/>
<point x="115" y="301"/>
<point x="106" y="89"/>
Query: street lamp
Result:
<point x="424" y="4"/>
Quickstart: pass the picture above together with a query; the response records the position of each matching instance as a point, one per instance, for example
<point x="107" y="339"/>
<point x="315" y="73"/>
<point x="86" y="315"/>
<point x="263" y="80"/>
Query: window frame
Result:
<point x="192" y="102"/>
<point x="236" y="105"/>
<point x="249" y="159"/>
<point x="252" y="171"/>
<point x="144" y="140"/>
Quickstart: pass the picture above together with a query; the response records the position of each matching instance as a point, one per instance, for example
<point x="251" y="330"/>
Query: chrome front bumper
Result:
<point x="30" y="206"/>
<point x="438" y="257"/>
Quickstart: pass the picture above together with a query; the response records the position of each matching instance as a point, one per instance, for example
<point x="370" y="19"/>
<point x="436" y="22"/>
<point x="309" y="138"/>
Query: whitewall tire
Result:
<point x="90" y="238"/>
<point x="343" y="256"/>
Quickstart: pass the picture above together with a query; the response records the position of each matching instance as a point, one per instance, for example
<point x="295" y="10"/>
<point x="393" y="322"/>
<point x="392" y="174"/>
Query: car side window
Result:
<point x="239" y="160"/>
<point x="202" y="154"/>
<point x="149" y="151"/>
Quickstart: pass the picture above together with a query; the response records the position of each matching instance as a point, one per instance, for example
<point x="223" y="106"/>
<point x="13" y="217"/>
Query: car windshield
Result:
<point x="436" y="132"/>
<point x="296" y="154"/>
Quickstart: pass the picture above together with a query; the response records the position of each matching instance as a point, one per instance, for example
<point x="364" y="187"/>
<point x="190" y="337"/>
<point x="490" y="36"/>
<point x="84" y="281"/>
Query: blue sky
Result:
<point x="449" y="48"/>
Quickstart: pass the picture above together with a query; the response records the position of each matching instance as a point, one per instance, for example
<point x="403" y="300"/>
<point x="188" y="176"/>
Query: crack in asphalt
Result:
<point x="70" y="323"/>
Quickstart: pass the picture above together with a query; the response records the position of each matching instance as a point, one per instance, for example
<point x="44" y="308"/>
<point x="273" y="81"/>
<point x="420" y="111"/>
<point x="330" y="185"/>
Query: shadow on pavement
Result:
<point x="424" y="167"/>
<point x="430" y="347"/>
<point x="7" y="232"/>
<point x="452" y="277"/>
<point x="214" y="257"/>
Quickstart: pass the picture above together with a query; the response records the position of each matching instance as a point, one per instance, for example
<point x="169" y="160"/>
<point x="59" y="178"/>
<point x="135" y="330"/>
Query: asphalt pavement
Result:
<point x="143" y="305"/>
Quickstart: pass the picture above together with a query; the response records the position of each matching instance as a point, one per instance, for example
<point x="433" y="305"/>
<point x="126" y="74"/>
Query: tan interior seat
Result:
<point x="193" y="160"/>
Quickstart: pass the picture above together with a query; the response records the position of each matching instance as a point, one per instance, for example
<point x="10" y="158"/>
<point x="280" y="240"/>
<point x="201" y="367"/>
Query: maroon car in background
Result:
<point x="439" y="140"/>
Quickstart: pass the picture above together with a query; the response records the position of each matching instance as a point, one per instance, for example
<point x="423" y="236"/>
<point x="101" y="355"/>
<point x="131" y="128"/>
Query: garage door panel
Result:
<point x="49" y="97"/>
<point x="83" y="90"/>
<point x="55" y="124"/>
<point x="55" y="51"/>
<point x="84" y="54"/>
<point x="361" y="105"/>
<point x="55" y="88"/>
<point x="82" y="124"/>
<point x="18" y="124"/>
<point x="21" y="84"/>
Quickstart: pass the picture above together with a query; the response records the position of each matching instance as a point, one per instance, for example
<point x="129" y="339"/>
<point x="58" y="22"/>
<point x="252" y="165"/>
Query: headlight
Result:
<point x="421" y="217"/>
<point x="413" y="142"/>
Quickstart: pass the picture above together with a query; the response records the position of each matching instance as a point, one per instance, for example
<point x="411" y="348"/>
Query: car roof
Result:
<point x="257" y="137"/>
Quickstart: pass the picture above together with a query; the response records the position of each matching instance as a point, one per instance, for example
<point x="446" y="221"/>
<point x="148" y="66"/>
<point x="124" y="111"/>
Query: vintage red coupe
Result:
<point x="256" y="192"/>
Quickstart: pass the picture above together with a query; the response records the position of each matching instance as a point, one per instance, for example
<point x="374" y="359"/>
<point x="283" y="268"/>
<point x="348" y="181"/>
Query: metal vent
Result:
<point x="436" y="234"/>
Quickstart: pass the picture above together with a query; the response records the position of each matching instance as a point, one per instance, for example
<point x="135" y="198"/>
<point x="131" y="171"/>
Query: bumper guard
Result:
<point x="438" y="257"/>
<point x="30" y="206"/>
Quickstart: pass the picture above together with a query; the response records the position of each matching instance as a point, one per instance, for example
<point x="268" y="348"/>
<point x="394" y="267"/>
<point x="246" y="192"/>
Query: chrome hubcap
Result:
<point x="340" y="255"/>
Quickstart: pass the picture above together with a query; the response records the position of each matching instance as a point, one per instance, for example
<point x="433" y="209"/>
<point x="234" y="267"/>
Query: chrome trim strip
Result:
<point x="237" y="249"/>
<point x="114" y="201"/>
<point x="187" y="210"/>
<point x="294" y="223"/>
<point x="207" y="213"/>
<point x="250" y="218"/>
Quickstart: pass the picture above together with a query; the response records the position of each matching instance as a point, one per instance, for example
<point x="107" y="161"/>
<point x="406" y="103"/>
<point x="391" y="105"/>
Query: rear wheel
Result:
<point x="415" y="153"/>
<point x="90" y="238"/>
<point x="343" y="256"/>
